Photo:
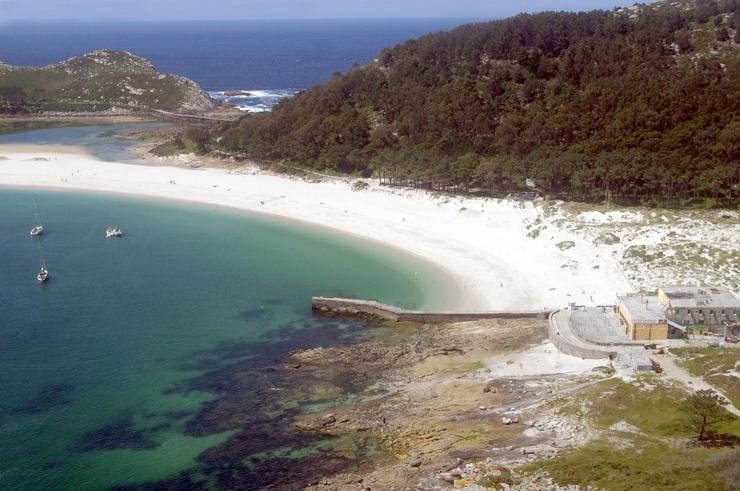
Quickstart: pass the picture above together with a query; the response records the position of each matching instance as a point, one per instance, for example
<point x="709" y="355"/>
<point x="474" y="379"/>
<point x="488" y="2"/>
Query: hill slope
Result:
<point x="98" y="81"/>
<point x="631" y="104"/>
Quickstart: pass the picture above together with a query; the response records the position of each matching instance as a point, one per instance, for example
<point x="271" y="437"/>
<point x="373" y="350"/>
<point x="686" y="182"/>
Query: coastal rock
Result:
<point x="237" y="93"/>
<point x="328" y="420"/>
<point x="607" y="238"/>
<point x="446" y="476"/>
<point x="360" y="186"/>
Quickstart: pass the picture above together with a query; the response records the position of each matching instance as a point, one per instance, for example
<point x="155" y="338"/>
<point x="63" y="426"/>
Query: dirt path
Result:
<point x="693" y="384"/>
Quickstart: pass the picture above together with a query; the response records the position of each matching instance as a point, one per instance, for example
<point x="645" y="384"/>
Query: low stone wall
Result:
<point x="383" y="311"/>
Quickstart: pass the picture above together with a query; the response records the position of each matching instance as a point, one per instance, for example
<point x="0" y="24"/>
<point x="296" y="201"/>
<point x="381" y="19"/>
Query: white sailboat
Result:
<point x="43" y="274"/>
<point x="113" y="233"/>
<point x="39" y="228"/>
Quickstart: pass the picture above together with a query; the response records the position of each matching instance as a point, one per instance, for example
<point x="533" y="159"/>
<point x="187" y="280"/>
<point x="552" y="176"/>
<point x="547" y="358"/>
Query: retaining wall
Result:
<point x="567" y="342"/>
<point x="383" y="311"/>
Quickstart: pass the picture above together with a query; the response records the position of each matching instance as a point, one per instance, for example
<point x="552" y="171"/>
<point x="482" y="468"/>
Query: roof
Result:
<point x="643" y="309"/>
<point x="700" y="296"/>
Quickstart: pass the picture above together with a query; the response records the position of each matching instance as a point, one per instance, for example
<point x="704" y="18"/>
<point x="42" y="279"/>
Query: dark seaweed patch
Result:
<point x="258" y="315"/>
<point x="51" y="397"/>
<point x="120" y="434"/>
<point x="185" y="481"/>
<point x="282" y="474"/>
<point x="259" y="398"/>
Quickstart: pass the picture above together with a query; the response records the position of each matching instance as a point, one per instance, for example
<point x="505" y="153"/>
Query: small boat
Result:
<point x="113" y="233"/>
<point x="38" y="229"/>
<point x="43" y="275"/>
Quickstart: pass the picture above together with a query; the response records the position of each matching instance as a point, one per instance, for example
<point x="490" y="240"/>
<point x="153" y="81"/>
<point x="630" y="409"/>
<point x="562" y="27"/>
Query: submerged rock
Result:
<point x="121" y="434"/>
<point x="51" y="397"/>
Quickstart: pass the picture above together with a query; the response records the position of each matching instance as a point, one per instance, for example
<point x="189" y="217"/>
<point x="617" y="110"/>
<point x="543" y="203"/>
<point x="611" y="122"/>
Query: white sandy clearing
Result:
<point x="482" y="243"/>
<point x="540" y="360"/>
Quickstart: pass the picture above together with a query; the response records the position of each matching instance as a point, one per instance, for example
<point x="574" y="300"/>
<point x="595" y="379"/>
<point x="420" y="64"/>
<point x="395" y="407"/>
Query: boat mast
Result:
<point x="36" y="213"/>
<point x="41" y="256"/>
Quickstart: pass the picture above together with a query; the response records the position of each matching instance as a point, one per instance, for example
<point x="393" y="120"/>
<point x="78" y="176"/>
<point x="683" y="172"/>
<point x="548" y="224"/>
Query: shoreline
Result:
<point x="460" y="236"/>
<point x="452" y="290"/>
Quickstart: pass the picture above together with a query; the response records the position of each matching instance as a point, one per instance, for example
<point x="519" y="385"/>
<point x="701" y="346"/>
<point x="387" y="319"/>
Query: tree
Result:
<point x="199" y="136"/>
<point x="12" y="98"/>
<point x="705" y="409"/>
<point x="683" y="41"/>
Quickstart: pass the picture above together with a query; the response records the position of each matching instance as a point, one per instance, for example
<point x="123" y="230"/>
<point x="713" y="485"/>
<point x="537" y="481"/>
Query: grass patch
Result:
<point x="649" y="404"/>
<point x="713" y="365"/>
<point x="643" y="466"/>
<point x="659" y="457"/>
<point x="167" y="149"/>
<point x="478" y="365"/>
<point x="606" y="370"/>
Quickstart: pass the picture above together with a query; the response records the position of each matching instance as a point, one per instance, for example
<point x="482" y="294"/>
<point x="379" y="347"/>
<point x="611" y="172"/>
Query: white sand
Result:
<point x="483" y="243"/>
<point x="539" y="361"/>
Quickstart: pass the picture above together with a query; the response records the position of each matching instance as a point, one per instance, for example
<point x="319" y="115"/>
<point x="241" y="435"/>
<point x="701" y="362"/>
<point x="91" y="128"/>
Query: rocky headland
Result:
<point x="98" y="82"/>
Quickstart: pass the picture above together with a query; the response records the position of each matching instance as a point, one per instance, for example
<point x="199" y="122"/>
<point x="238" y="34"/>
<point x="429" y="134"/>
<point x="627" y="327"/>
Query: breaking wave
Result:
<point x="253" y="101"/>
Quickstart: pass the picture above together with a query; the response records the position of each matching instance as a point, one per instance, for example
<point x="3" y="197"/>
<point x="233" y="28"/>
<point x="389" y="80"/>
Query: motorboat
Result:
<point x="43" y="275"/>
<point x="37" y="230"/>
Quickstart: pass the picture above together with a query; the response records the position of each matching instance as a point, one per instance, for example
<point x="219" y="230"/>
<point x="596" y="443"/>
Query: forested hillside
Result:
<point x="639" y="104"/>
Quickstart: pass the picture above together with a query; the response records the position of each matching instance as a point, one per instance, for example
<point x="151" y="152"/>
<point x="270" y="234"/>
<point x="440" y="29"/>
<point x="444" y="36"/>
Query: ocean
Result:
<point x="150" y="361"/>
<point x="123" y="369"/>
<point x="267" y="59"/>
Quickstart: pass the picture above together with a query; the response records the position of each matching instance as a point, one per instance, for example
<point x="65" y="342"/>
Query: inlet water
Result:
<point x="93" y="362"/>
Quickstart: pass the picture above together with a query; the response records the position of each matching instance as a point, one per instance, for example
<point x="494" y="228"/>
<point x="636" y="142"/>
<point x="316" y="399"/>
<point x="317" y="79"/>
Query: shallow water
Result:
<point x="104" y="141"/>
<point x="110" y="367"/>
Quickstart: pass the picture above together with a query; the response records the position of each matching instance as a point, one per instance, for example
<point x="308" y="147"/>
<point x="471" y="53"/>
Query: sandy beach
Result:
<point x="485" y="244"/>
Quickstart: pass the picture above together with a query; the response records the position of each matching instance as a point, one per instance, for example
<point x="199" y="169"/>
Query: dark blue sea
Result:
<point x="270" y="59"/>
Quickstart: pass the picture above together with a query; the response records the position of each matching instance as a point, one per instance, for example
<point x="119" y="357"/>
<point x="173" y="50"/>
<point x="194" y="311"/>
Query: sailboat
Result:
<point x="113" y="232"/>
<point x="38" y="229"/>
<point x="43" y="273"/>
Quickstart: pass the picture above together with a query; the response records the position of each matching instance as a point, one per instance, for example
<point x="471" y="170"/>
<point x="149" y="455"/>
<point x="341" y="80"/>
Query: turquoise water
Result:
<point x="107" y="368"/>
<point x="104" y="141"/>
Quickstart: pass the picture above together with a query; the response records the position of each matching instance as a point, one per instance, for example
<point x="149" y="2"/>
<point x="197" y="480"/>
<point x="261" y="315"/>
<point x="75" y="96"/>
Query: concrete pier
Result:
<point x="378" y="310"/>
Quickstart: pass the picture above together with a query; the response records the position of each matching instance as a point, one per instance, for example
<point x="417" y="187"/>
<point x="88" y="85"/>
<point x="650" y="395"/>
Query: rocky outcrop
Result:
<point x="606" y="238"/>
<point x="104" y="80"/>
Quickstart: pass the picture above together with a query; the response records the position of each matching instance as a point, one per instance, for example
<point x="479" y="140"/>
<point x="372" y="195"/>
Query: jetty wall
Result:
<point x="373" y="308"/>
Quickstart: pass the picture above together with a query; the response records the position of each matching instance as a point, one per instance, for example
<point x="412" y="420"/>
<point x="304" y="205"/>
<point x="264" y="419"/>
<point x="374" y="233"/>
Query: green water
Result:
<point x="104" y="141"/>
<point x="107" y="339"/>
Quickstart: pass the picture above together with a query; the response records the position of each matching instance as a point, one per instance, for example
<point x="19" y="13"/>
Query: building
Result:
<point x="678" y="310"/>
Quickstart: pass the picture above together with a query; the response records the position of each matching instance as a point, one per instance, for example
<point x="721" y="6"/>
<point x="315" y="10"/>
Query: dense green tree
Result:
<point x="594" y="105"/>
<point x="12" y="98"/>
